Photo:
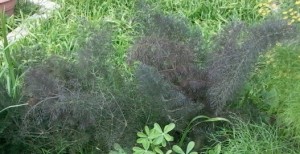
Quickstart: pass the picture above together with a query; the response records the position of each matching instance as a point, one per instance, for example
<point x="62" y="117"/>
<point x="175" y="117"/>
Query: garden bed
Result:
<point x="90" y="78"/>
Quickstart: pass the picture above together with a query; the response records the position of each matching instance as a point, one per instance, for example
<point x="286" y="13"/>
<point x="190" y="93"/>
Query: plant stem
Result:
<point x="13" y="106"/>
<point x="11" y="80"/>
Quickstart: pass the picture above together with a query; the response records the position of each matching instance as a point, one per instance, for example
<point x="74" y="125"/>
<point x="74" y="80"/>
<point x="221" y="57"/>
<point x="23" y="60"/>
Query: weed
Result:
<point x="246" y="137"/>
<point x="274" y="86"/>
<point x="153" y="140"/>
<point x="11" y="74"/>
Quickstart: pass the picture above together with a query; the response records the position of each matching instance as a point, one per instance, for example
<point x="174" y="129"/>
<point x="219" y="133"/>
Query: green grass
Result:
<point x="60" y="34"/>
<point x="273" y="86"/>
<point x="253" y="138"/>
<point x="23" y="10"/>
<point x="64" y="27"/>
<point x="210" y="15"/>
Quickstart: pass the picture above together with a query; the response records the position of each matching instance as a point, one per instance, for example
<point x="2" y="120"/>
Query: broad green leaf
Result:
<point x="169" y="127"/>
<point x="169" y="152"/>
<point x="141" y="134"/>
<point x="159" y="140"/>
<point x="137" y="150"/>
<point x="158" y="128"/>
<point x="169" y="137"/>
<point x="147" y="130"/>
<point x="146" y="144"/>
<point x="177" y="149"/>
<point x="158" y="150"/>
<point x="117" y="146"/>
<point x="190" y="147"/>
<point x="217" y="149"/>
<point x="141" y="140"/>
<point x="154" y="134"/>
<point x="164" y="143"/>
<point x="193" y="153"/>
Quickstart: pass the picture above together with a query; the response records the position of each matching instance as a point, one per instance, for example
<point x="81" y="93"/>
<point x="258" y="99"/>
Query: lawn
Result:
<point x="147" y="76"/>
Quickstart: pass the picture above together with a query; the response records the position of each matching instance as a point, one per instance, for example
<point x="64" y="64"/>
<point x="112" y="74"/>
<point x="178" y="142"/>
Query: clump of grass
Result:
<point x="274" y="86"/>
<point x="10" y="71"/>
<point x="248" y="137"/>
<point x="23" y="9"/>
<point x="211" y="16"/>
<point x="218" y="11"/>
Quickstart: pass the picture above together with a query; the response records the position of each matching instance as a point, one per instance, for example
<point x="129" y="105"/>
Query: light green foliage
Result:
<point x="9" y="66"/>
<point x="189" y="149"/>
<point x="193" y="123"/>
<point x="154" y="141"/>
<point x="211" y="15"/>
<point x="255" y="138"/>
<point x="275" y="86"/>
<point x="23" y="10"/>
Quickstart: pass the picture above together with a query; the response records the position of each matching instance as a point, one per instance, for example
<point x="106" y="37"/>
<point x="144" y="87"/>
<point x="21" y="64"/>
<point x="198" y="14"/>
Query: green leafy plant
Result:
<point x="192" y="124"/>
<point x="9" y="63"/>
<point x="154" y="140"/>
<point x="189" y="148"/>
<point x="244" y="136"/>
<point x="274" y="87"/>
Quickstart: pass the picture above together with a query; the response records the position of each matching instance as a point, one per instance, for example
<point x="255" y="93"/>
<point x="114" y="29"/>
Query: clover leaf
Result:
<point x="189" y="148"/>
<point x="163" y="136"/>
